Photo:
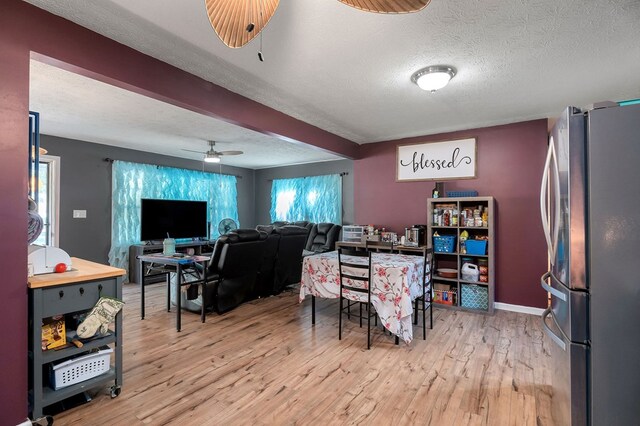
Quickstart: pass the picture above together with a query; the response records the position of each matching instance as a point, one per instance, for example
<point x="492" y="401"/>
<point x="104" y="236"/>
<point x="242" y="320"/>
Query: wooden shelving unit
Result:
<point x="469" y="295"/>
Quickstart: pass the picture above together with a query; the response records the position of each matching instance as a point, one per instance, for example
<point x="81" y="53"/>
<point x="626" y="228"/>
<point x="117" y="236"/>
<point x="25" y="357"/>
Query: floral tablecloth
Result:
<point x="396" y="283"/>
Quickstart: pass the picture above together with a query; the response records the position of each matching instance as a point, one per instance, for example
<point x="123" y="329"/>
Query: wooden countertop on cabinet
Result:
<point x="81" y="270"/>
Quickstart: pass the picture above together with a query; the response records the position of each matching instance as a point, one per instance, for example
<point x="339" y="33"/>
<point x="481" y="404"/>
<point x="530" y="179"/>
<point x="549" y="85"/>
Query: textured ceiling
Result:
<point x="77" y="107"/>
<point x="348" y="71"/>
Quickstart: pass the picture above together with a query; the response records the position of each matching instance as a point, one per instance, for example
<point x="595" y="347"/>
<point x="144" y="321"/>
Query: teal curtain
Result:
<point x="134" y="181"/>
<point x="313" y="198"/>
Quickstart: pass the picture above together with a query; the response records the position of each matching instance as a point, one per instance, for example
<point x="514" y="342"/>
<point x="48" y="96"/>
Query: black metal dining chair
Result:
<point x="426" y="296"/>
<point x="353" y="285"/>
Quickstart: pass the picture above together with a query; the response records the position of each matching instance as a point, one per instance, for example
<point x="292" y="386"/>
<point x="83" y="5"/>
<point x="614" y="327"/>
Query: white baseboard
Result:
<point x="518" y="308"/>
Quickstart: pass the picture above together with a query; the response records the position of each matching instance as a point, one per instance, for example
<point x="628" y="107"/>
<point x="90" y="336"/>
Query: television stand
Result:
<point x="135" y="272"/>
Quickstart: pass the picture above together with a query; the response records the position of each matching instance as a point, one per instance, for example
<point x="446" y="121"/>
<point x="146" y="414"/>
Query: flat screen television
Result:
<point x="176" y="218"/>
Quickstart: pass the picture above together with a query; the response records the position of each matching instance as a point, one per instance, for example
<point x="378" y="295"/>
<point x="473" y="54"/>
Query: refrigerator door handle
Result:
<point x="543" y="282"/>
<point x="557" y="339"/>
<point x="544" y="187"/>
<point x="556" y="194"/>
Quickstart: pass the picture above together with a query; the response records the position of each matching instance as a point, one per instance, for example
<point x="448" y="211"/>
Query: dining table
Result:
<point x="396" y="281"/>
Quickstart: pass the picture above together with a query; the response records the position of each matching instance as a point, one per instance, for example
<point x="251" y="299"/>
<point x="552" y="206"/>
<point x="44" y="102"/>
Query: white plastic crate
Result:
<point x="79" y="369"/>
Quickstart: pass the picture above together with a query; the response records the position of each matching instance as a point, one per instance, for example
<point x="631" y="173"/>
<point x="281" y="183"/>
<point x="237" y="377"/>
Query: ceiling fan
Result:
<point x="213" y="156"/>
<point x="237" y="22"/>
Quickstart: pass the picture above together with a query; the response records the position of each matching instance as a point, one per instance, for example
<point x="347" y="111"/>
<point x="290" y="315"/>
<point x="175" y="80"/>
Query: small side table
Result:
<point x="161" y="264"/>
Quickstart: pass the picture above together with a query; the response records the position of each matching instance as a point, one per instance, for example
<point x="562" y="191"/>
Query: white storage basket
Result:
<point x="79" y="369"/>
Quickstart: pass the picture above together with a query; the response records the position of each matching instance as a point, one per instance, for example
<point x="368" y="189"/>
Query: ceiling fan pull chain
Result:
<point x="261" y="25"/>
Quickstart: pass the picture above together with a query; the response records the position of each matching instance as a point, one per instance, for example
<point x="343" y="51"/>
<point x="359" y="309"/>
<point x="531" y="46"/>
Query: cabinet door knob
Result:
<point x="81" y="290"/>
<point x="61" y="293"/>
<point x="99" y="287"/>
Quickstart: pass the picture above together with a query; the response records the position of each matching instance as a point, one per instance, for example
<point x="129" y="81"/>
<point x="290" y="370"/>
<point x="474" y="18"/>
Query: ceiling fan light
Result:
<point x="434" y="77"/>
<point x="211" y="158"/>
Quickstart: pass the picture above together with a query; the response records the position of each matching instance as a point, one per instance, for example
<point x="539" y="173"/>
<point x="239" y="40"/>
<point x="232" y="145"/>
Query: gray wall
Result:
<point x="264" y="177"/>
<point x="85" y="184"/>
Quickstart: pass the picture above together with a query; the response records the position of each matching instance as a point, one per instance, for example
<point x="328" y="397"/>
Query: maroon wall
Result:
<point x="14" y="126"/>
<point x="510" y="163"/>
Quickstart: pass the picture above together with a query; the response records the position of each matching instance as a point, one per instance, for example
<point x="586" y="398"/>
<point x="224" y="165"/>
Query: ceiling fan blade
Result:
<point x="387" y="6"/>
<point x="230" y="153"/>
<point x="191" y="150"/>
<point x="231" y="19"/>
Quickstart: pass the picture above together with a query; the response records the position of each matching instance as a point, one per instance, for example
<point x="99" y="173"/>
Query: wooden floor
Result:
<point x="263" y="363"/>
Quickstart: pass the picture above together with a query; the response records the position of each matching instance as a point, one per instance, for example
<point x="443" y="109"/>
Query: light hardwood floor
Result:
<point x="263" y="363"/>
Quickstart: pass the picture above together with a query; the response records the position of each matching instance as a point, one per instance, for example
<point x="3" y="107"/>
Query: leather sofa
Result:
<point x="282" y="260"/>
<point x="265" y="278"/>
<point x="323" y="237"/>
<point x="288" y="264"/>
<point x="233" y="268"/>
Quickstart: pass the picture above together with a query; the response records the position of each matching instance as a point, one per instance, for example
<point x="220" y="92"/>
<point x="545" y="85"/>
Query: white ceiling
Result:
<point x="77" y="107"/>
<point x="348" y="71"/>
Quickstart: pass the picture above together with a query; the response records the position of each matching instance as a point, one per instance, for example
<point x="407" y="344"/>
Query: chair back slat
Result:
<point x="344" y="276"/>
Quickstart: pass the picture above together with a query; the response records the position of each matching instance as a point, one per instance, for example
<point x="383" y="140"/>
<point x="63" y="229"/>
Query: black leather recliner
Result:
<point x="288" y="265"/>
<point x="266" y="274"/>
<point x="323" y="237"/>
<point x="234" y="265"/>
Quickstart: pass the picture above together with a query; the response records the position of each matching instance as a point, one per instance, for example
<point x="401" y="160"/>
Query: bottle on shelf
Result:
<point x="464" y="236"/>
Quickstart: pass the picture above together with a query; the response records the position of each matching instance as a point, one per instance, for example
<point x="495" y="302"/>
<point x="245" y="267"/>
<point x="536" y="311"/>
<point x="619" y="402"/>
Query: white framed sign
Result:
<point x="437" y="160"/>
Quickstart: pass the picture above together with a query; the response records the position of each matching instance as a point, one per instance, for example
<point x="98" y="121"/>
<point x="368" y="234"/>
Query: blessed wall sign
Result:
<point x="437" y="160"/>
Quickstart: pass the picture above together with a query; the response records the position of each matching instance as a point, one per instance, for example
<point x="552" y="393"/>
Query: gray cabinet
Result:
<point x="64" y="294"/>
<point x="449" y="223"/>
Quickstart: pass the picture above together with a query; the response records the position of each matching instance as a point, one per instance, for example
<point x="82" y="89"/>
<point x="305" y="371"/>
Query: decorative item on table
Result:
<point x="53" y="333"/>
<point x="370" y="234"/>
<point x="470" y="272"/>
<point x="388" y="236"/>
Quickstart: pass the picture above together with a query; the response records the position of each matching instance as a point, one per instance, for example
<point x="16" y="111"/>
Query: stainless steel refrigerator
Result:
<point x="590" y="206"/>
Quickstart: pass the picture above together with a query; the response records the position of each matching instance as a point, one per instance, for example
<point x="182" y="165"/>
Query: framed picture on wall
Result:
<point x="437" y="161"/>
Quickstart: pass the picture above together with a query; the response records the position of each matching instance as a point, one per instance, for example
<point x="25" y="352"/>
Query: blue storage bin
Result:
<point x="444" y="243"/>
<point x="474" y="297"/>
<point x="476" y="246"/>
<point x="453" y="194"/>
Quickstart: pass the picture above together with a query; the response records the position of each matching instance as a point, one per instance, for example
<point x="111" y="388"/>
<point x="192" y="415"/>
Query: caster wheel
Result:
<point x="115" y="391"/>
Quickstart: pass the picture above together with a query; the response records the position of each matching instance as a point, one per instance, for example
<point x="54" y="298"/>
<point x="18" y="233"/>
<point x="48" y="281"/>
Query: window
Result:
<point x="133" y="181"/>
<point x="48" y="199"/>
<point x="313" y="198"/>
